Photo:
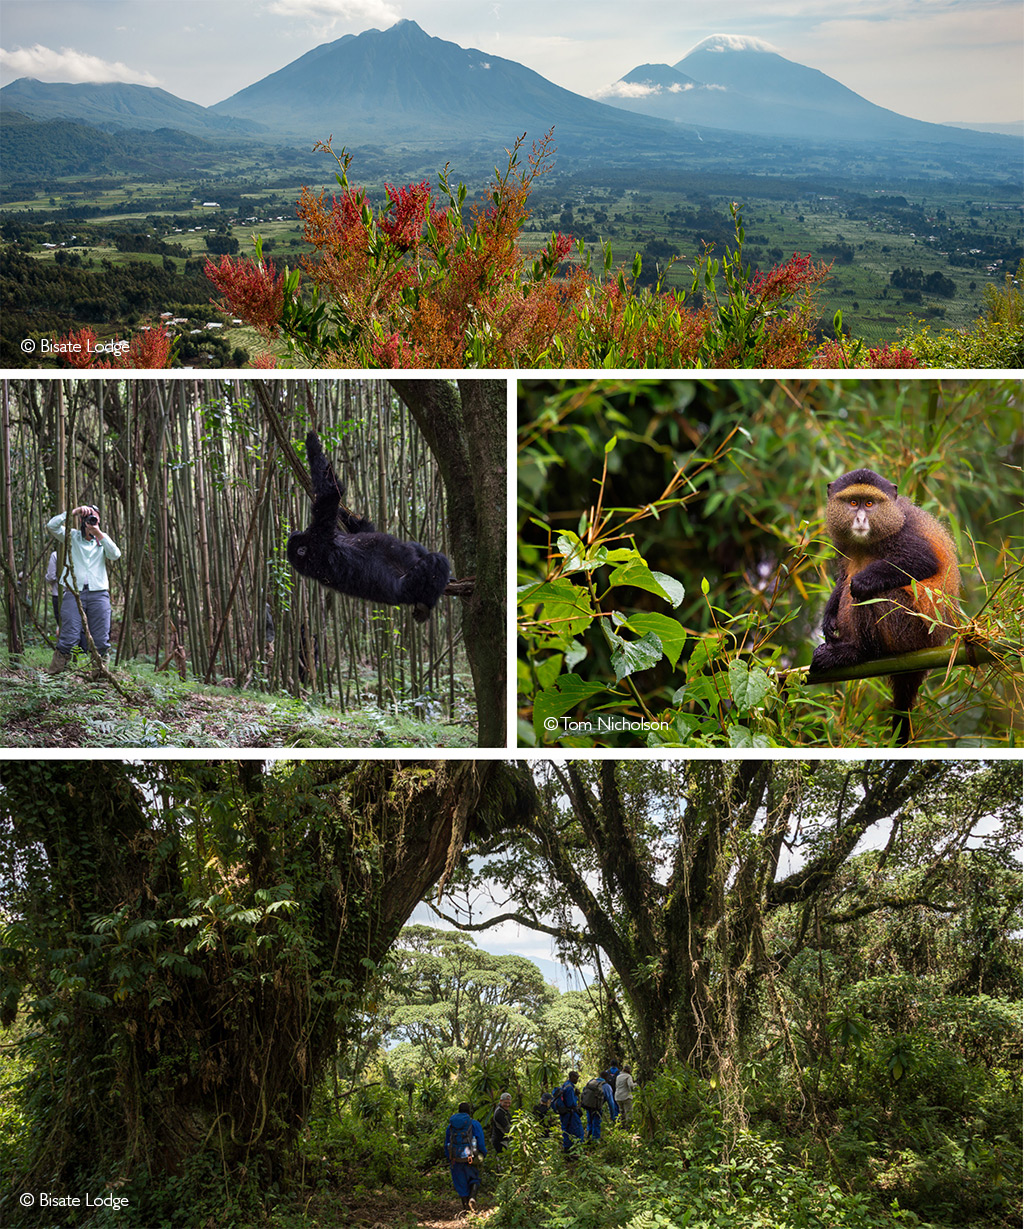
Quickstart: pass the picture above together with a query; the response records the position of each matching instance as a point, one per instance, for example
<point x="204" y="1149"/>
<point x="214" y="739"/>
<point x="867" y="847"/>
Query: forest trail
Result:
<point x="445" y="1214"/>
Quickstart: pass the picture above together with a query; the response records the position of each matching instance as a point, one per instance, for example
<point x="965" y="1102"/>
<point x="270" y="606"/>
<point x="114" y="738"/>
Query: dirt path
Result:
<point x="447" y="1215"/>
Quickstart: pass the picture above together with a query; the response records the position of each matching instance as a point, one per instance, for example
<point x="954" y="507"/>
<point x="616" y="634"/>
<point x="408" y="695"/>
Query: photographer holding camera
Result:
<point x="85" y="574"/>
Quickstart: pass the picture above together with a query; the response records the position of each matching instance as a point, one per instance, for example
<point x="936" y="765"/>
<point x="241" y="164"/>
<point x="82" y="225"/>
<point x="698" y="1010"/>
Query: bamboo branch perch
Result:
<point x="962" y="653"/>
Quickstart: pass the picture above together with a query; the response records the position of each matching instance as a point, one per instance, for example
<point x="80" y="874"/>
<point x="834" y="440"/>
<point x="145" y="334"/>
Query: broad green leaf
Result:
<point x="577" y="558"/>
<point x="556" y="701"/>
<point x="637" y="574"/>
<point x="748" y="686"/>
<point x="566" y="607"/>
<point x="668" y="631"/>
<point x="630" y="656"/>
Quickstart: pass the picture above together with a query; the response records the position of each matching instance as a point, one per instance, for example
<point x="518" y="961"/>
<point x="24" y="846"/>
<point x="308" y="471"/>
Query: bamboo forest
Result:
<point x="377" y="992"/>
<point x="217" y="641"/>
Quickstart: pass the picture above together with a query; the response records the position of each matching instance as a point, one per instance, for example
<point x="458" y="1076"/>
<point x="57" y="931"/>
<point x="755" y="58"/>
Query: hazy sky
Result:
<point x="936" y="60"/>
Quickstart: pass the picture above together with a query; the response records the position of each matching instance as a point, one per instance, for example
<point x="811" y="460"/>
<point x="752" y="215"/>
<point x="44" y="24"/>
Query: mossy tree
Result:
<point x="188" y="941"/>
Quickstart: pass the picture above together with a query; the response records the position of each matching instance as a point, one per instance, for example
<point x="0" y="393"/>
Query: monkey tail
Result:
<point x="904" y="692"/>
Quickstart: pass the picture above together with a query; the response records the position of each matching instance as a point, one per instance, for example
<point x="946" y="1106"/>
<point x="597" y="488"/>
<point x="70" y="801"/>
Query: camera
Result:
<point x="90" y="520"/>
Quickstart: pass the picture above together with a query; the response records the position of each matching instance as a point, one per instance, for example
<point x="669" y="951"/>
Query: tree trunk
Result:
<point x="212" y="948"/>
<point x="466" y="428"/>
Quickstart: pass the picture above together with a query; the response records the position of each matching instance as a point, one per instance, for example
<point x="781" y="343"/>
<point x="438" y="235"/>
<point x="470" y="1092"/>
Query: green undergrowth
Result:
<point x="141" y="707"/>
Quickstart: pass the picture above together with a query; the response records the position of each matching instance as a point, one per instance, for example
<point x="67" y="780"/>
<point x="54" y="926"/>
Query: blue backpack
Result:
<point x="462" y="1145"/>
<point x="558" y="1101"/>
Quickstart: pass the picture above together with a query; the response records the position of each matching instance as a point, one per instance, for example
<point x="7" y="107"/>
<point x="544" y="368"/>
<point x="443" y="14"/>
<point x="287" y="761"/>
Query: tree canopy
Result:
<point x="699" y="881"/>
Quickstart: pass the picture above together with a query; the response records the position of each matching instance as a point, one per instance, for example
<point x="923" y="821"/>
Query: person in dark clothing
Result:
<point x="463" y="1143"/>
<point x="543" y="1113"/>
<point x="609" y="1091"/>
<point x="502" y="1121"/>
<point x="595" y="1094"/>
<point x="569" y="1116"/>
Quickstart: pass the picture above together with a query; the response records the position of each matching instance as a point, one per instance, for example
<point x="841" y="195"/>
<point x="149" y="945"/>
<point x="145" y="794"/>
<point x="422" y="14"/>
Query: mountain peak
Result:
<point x="732" y="42"/>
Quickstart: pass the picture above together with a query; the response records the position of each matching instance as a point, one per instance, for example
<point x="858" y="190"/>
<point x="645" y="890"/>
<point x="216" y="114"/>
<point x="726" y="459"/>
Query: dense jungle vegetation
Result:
<point x="217" y="1014"/>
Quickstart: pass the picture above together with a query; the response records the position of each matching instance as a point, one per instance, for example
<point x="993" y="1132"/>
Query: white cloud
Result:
<point x="629" y="89"/>
<point x="376" y="13"/>
<point x="45" y="64"/>
<point x="733" y="42"/>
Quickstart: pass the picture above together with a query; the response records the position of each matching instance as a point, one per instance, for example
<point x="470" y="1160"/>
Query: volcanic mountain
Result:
<point x="402" y="85"/>
<point x="114" y="106"/>
<point x="744" y="85"/>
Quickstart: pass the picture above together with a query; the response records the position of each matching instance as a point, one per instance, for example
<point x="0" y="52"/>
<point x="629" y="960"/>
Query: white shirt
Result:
<point x="624" y="1086"/>
<point x="88" y="557"/>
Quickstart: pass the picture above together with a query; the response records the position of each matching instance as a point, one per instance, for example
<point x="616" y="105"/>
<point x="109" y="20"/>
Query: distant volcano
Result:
<point x="743" y="84"/>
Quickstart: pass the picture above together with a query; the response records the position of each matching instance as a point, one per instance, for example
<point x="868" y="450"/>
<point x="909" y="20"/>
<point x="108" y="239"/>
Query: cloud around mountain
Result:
<point x="75" y="67"/>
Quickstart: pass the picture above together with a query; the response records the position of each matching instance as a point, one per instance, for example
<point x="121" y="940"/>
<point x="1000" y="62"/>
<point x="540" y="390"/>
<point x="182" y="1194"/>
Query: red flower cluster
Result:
<point x="252" y="290"/>
<point x="892" y="356"/>
<point x="833" y="353"/>
<point x="798" y="273"/>
<point x="394" y="351"/>
<point x="347" y="210"/>
<point x="562" y="246"/>
<point x="408" y="211"/>
<point x="150" y="348"/>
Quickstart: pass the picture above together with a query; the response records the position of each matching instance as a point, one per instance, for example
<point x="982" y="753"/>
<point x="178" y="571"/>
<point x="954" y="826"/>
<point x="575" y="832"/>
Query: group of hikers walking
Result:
<point x="464" y="1142"/>
<point x="613" y="1088"/>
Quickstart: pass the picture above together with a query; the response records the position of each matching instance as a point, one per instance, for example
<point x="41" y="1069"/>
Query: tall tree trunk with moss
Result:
<point x="466" y="427"/>
<point x="190" y="941"/>
<point x="677" y="872"/>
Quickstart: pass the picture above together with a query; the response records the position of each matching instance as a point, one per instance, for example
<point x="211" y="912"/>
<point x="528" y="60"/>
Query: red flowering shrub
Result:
<point x="892" y="356"/>
<point x="424" y="281"/>
<point x="839" y="353"/>
<point x="254" y="290"/>
<point x="150" y="348"/>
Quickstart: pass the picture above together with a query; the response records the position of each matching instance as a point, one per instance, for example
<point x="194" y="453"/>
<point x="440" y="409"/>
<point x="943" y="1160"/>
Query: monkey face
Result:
<point x="860" y="515"/>
<point x="860" y="525"/>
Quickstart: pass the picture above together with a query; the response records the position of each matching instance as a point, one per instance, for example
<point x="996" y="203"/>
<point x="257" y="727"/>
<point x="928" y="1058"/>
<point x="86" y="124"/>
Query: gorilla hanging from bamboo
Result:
<point x="360" y="561"/>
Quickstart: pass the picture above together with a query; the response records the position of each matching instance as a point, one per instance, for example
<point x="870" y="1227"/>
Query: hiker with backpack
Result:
<point x="565" y="1105"/>
<point x="542" y="1113"/>
<point x="612" y="1075"/>
<point x="595" y="1094"/>
<point x="624" y="1087"/>
<point x="463" y="1143"/>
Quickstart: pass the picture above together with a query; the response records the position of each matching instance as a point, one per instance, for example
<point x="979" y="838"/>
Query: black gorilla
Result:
<point x="362" y="562"/>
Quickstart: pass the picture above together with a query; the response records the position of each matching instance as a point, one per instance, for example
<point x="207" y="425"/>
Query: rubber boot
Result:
<point x="58" y="662"/>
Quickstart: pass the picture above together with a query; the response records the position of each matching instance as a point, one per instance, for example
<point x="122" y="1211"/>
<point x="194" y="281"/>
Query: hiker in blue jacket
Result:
<point x="595" y="1094"/>
<point x="612" y="1075"/>
<point x="463" y="1143"/>
<point x="567" y="1108"/>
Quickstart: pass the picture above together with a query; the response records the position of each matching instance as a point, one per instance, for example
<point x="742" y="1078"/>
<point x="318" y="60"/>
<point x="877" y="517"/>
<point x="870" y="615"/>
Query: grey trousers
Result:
<point x="96" y="604"/>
